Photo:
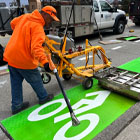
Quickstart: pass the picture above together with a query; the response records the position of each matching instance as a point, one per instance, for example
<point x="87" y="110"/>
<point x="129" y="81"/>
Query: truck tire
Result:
<point x="119" y="28"/>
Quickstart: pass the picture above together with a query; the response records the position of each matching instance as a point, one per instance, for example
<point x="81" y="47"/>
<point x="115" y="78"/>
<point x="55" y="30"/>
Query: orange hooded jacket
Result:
<point x="24" y="49"/>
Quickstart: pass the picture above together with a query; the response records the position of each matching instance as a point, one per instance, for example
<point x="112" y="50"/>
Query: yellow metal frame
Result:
<point x="82" y="71"/>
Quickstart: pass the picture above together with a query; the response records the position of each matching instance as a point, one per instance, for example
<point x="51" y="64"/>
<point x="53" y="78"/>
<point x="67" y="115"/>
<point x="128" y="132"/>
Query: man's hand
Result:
<point x="49" y="66"/>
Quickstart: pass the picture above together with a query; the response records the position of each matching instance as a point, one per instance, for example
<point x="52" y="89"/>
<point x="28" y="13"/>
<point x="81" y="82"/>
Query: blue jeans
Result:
<point x="33" y="77"/>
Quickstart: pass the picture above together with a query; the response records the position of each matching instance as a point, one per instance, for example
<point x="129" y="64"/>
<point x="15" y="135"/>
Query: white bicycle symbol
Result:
<point x="101" y="96"/>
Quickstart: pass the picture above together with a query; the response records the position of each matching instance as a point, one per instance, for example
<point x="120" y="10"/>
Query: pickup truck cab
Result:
<point x="108" y="17"/>
<point x="87" y="15"/>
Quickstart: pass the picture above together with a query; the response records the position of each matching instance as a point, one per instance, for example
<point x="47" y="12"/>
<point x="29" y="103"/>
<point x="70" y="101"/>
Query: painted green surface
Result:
<point x="20" y="128"/>
<point x="130" y="38"/>
<point x="133" y="65"/>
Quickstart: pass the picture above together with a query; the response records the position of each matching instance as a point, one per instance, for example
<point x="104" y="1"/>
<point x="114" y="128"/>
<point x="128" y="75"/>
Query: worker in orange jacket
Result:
<point x="24" y="52"/>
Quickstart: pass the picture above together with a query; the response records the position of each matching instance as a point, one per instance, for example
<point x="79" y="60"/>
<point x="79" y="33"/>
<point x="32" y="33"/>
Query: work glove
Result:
<point x="49" y="66"/>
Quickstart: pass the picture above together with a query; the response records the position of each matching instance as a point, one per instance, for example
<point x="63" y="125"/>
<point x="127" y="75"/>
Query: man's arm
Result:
<point x="37" y="39"/>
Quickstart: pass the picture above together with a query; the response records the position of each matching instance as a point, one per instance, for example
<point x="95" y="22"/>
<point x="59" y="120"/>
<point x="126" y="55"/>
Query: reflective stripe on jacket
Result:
<point x="24" y="49"/>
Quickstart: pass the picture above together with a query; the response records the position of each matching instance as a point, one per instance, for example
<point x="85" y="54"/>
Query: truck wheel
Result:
<point x="119" y="29"/>
<point x="87" y="83"/>
<point x="67" y="77"/>
<point x="46" y="78"/>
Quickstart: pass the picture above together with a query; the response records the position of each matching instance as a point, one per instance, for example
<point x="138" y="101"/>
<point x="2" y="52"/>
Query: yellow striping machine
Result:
<point x="61" y="50"/>
<point x="115" y="79"/>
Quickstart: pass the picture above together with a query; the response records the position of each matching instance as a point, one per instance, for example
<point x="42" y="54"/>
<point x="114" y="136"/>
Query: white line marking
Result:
<point x="116" y="48"/>
<point x="2" y="83"/>
<point x="137" y="41"/>
<point x="84" y="58"/>
<point x="3" y="68"/>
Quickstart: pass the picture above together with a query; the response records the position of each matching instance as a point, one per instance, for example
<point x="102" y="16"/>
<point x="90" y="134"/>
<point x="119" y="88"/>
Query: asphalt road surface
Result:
<point x="119" y="53"/>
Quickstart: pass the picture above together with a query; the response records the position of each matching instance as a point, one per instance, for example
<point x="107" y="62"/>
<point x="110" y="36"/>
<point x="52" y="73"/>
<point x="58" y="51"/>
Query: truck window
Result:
<point x="95" y="5"/>
<point x="105" y="6"/>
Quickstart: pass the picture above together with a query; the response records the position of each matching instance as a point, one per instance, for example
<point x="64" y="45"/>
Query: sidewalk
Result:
<point x="131" y="132"/>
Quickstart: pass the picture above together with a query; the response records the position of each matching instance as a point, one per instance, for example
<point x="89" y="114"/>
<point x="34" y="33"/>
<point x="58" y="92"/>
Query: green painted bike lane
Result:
<point x="96" y="109"/>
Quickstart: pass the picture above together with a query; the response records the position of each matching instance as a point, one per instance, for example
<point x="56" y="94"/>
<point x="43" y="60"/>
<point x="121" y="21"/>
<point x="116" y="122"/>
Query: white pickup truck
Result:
<point x="84" y="15"/>
<point x="82" y="22"/>
<point x="108" y="17"/>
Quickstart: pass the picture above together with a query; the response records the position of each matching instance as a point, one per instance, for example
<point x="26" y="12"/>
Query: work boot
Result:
<point x="22" y="107"/>
<point x="47" y="99"/>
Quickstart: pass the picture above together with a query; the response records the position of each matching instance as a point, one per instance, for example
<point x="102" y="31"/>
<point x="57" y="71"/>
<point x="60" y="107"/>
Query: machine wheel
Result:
<point x="87" y="83"/>
<point x="1" y="56"/>
<point x="46" y="78"/>
<point x="119" y="29"/>
<point x="67" y="76"/>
